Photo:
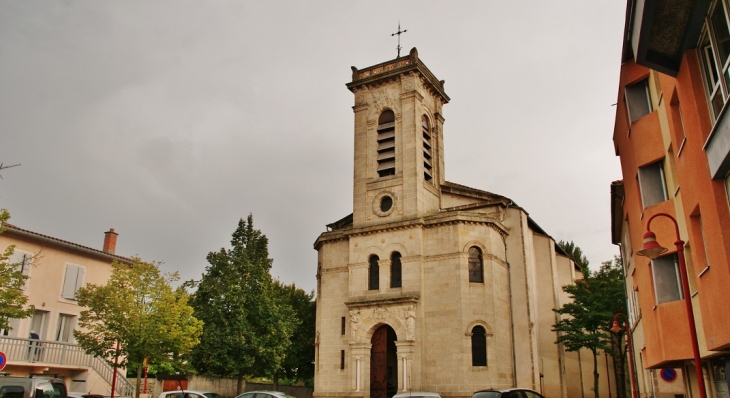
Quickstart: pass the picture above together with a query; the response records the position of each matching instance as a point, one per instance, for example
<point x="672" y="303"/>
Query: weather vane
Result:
<point x="399" y="32"/>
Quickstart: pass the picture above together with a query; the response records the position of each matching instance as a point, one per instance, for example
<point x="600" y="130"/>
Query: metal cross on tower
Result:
<point x="399" y="32"/>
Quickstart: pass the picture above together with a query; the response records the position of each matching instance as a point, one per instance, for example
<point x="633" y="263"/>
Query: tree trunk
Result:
<point x="239" y="384"/>
<point x="139" y="378"/>
<point x="276" y="381"/>
<point x="595" y="374"/>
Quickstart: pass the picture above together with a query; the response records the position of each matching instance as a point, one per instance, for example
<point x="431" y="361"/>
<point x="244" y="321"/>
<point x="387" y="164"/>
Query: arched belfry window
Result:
<point x="374" y="273"/>
<point x="476" y="265"/>
<point x="386" y="143"/>
<point x="396" y="278"/>
<point x="427" y="148"/>
<point x="478" y="346"/>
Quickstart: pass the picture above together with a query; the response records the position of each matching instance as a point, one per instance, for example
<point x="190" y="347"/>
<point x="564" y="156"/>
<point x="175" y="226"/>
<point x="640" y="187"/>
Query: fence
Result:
<point x="60" y="353"/>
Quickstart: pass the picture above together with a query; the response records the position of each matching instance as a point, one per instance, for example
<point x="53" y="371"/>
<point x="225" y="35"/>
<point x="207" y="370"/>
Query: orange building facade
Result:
<point x="672" y="135"/>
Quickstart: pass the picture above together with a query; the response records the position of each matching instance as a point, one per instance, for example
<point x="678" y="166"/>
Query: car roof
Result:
<point x="417" y="394"/>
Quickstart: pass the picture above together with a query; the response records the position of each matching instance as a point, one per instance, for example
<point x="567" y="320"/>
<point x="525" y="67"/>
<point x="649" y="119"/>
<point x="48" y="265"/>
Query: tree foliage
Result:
<point x="139" y="309"/>
<point x="298" y="365"/>
<point x="12" y="298"/>
<point x="248" y="326"/>
<point x="586" y="320"/>
<point x="575" y="254"/>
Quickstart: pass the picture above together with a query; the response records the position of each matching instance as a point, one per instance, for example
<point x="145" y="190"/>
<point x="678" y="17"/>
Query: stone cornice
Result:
<point x="366" y="302"/>
<point x="392" y="69"/>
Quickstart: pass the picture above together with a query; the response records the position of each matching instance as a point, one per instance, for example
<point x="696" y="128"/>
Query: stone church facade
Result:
<point x="430" y="285"/>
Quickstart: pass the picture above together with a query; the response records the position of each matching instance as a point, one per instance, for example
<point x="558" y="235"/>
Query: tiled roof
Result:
<point x="24" y="232"/>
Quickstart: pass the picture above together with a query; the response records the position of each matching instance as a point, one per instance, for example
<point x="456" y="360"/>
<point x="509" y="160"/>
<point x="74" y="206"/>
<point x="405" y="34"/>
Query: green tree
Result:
<point x="139" y="309"/>
<point x="12" y="298"/>
<point x="610" y="279"/>
<point x="586" y="321"/>
<point x="248" y="326"/>
<point x="298" y="366"/>
<point x="575" y="254"/>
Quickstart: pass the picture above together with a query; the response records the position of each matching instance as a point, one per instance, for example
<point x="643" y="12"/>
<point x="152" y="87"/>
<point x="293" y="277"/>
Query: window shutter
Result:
<point x="69" y="282"/>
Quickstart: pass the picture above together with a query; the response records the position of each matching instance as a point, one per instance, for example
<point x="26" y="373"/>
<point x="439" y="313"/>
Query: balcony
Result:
<point x="24" y="352"/>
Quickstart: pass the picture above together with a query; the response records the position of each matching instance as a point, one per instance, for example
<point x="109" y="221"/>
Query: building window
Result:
<point x="342" y="359"/>
<point x="427" y="148"/>
<point x="64" y="330"/>
<point x="374" y="273"/>
<point x="638" y="100"/>
<point x="342" y="326"/>
<point x="476" y="265"/>
<point x="386" y="144"/>
<point x="23" y="261"/>
<point x="652" y="184"/>
<point x="72" y="281"/>
<point x="396" y="278"/>
<point x="667" y="286"/>
<point x="478" y="346"/>
<point x="727" y="187"/>
<point x="713" y="51"/>
<point x="38" y="323"/>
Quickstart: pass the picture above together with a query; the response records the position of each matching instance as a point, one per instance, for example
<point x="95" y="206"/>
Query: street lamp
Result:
<point x="616" y="328"/>
<point x="653" y="249"/>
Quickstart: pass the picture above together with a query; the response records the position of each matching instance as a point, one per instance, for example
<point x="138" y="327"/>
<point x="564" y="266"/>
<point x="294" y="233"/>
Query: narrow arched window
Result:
<point x="396" y="278"/>
<point x="478" y="346"/>
<point x="374" y="273"/>
<point x="386" y="143"/>
<point x="476" y="265"/>
<point x="427" y="148"/>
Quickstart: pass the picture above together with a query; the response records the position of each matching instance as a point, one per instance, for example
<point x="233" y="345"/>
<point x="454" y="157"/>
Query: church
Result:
<point x="431" y="285"/>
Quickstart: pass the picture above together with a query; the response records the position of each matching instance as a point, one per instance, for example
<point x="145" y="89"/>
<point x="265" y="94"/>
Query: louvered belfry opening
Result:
<point x="427" y="167"/>
<point x="386" y="143"/>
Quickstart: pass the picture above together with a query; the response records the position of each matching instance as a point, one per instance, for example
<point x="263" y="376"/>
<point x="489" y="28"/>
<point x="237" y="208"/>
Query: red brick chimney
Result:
<point x="110" y="241"/>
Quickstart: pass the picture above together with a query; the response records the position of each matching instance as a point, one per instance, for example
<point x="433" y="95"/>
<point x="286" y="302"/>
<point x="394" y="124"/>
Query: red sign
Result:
<point x="3" y="360"/>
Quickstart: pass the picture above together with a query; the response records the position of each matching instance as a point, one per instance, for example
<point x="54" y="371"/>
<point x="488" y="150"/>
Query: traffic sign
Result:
<point x="668" y="374"/>
<point x="3" y="360"/>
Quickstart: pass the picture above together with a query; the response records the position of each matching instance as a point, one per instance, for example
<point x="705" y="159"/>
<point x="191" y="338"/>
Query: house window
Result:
<point x="386" y="144"/>
<point x="72" y="281"/>
<point x="652" y="184"/>
<point x="476" y="265"/>
<point x="427" y="148"/>
<point x="374" y="273"/>
<point x="65" y="327"/>
<point x="23" y="261"/>
<point x="396" y="278"/>
<point x="638" y="100"/>
<point x="667" y="286"/>
<point x="38" y="323"/>
<point x="713" y="50"/>
<point x="727" y="187"/>
<point x="478" y="346"/>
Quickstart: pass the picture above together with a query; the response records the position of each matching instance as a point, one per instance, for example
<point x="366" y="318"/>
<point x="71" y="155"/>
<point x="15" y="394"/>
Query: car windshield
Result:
<point x="212" y="395"/>
<point x="487" y="394"/>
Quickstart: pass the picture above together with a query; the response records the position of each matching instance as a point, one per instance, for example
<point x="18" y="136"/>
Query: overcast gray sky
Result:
<point x="170" y="120"/>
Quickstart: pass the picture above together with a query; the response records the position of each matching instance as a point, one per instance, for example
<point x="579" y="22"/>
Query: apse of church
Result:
<point x="430" y="285"/>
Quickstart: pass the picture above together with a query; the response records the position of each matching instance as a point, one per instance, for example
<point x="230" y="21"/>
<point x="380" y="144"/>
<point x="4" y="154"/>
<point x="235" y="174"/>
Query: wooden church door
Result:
<point x="383" y="363"/>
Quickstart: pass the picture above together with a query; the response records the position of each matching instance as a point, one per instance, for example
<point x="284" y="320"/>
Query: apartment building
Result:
<point x="44" y="343"/>
<point x="672" y="135"/>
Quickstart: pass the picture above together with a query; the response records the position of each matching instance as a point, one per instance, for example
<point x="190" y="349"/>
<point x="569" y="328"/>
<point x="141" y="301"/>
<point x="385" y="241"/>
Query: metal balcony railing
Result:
<point x="55" y="352"/>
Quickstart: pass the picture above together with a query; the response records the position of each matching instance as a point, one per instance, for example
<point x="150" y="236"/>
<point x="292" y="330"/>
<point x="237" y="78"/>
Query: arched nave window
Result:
<point x="476" y="265"/>
<point x="396" y="278"/>
<point x="478" y="346"/>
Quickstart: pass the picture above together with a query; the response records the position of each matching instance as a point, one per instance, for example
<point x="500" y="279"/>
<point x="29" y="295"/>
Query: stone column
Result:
<point x="405" y="358"/>
<point x="360" y="365"/>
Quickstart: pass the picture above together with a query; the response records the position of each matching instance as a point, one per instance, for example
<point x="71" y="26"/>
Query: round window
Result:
<point x="386" y="203"/>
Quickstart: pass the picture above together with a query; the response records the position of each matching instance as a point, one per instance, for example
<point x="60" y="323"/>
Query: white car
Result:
<point x="417" y="394"/>
<point x="189" y="394"/>
<point x="264" y="394"/>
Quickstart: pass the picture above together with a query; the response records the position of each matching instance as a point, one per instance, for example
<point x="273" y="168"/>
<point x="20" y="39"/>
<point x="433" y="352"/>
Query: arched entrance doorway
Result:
<point x="383" y="363"/>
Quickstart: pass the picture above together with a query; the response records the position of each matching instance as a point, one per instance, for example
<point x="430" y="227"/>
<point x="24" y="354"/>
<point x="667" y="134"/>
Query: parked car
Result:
<point x="417" y="394"/>
<point x="264" y="394"/>
<point x="29" y="387"/>
<point x="189" y="394"/>
<point x="507" y="393"/>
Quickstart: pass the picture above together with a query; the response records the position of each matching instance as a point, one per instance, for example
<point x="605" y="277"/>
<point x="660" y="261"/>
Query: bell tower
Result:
<point x="399" y="164"/>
